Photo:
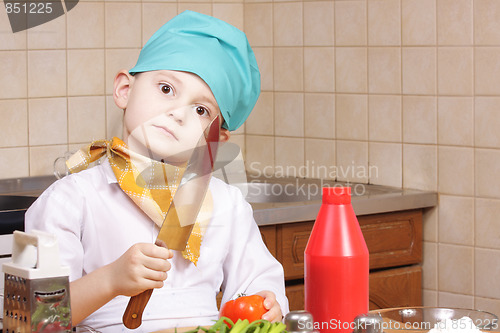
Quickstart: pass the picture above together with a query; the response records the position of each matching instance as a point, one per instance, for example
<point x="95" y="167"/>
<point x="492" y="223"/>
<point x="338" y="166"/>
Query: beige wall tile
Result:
<point x="42" y="159"/>
<point x="456" y="121"/>
<point x="456" y="170"/>
<point x="456" y="220"/>
<point x="430" y="266"/>
<point x="419" y="119"/>
<point x="319" y="69"/>
<point x="487" y="22"/>
<point x="50" y="35"/>
<point x="384" y="70"/>
<point x="240" y="130"/>
<point x="289" y="156"/>
<point x="203" y="8"/>
<point x="487" y="269"/>
<point x="430" y="218"/>
<point x="86" y="25"/>
<point x="487" y="224"/>
<point x="384" y="118"/>
<point x="116" y="60"/>
<point x="261" y="120"/>
<point x="259" y="23"/>
<point x="451" y="300"/>
<point x="319" y="115"/>
<point x="288" y="24"/>
<point x="15" y="162"/>
<point x="419" y="70"/>
<point x="288" y="69"/>
<point x="385" y="164"/>
<point x="350" y="23"/>
<point x="419" y="22"/>
<point x="231" y="13"/>
<point x="119" y="34"/>
<point x="289" y="114"/>
<point x="86" y="72"/>
<point x="487" y="166"/>
<point x="46" y="73"/>
<point x="14" y="123"/>
<point x="420" y="167"/>
<point x="86" y="119"/>
<point x="384" y="22"/>
<point x="454" y="26"/>
<point x="455" y="71"/>
<point x="456" y="269"/>
<point x="239" y="141"/>
<point x="264" y="57"/>
<point x="155" y="15"/>
<point x="8" y="39"/>
<point x="351" y="113"/>
<point x="319" y="23"/>
<point x="13" y="80"/>
<point x="351" y="72"/>
<point x="320" y="158"/>
<point x="352" y="161"/>
<point x="48" y="121"/>
<point x="487" y="70"/>
<point x="114" y="119"/>
<point x="487" y="304"/>
<point x="259" y="154"/>
<point x="487" y="122"/>
<point x="429" y="297"/>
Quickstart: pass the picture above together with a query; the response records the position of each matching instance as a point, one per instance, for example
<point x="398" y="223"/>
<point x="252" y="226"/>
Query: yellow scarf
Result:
<point x="150" y="184"/>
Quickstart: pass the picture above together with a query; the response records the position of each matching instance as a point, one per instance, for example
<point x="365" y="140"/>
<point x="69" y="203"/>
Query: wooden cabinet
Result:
<point x="394" y="241"/>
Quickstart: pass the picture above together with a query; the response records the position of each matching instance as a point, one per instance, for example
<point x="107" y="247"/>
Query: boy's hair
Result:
<point x="215" y="51"/>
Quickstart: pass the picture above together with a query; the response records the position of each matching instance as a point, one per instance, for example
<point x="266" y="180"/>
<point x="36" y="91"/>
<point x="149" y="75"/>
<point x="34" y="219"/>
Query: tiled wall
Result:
<point x="406" y="90"/>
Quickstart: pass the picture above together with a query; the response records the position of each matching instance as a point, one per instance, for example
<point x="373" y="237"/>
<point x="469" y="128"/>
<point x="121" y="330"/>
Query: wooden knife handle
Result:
<point x="132" y="318"/>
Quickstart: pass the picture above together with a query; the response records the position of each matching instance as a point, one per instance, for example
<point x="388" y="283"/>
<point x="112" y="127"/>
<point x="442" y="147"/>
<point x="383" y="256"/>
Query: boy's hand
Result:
<point x="274" y="310"/>
<point x="143" y="266"/>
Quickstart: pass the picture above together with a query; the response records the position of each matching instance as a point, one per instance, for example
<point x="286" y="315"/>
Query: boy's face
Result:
<point x="166" y="112"/>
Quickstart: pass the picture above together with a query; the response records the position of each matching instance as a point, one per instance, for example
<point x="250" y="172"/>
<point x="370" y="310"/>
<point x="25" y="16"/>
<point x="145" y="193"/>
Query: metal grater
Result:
<point x="36" y="294"/>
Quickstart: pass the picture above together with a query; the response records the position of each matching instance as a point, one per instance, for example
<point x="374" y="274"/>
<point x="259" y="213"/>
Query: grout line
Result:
<point x="474" y="158"/>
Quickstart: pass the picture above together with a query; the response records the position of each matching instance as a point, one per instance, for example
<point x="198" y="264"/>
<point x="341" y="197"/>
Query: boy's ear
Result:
<point x="224" y="135"/>
<point x="123" y="83"/>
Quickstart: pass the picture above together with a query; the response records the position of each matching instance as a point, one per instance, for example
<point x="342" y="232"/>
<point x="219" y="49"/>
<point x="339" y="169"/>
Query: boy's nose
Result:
<point x="179" y="114"/>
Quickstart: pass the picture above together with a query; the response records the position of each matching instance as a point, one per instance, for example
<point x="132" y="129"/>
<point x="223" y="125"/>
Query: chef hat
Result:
<point x="215" y="51"/>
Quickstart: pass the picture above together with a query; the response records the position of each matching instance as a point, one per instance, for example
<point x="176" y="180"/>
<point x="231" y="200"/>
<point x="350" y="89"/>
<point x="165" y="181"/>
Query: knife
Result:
<point x="181" y="216"/>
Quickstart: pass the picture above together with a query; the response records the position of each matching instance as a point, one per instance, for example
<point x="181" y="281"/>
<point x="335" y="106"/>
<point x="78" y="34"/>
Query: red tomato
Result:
<point x="244" y="307"/>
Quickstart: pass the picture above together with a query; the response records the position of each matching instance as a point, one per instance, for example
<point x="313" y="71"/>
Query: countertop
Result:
<point x="366" y="199"/>
<point x="286" y="199"/>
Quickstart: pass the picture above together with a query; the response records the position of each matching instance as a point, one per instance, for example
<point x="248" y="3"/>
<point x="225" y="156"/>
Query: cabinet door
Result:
<point x="292" y="241"/>
<point x="295" y="295"/>
<point x="393" y="239"/>
<point x="268" y="234"/>
<point x="396" y="287"/>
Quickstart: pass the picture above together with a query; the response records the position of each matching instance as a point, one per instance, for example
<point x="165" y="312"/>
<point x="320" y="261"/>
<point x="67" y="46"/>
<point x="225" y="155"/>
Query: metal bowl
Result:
<point x="427" y="318"/>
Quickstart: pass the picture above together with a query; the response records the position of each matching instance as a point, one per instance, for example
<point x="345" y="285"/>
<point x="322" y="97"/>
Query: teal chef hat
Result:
<point x="215" y="51"/>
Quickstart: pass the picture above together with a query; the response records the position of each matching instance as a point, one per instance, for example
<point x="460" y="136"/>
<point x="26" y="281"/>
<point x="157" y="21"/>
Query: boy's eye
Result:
<point x="202" y="111"/>
<point x="166" y="89"/>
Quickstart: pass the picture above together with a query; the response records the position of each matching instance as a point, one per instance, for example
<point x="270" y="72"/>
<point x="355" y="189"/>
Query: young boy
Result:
<point x="192" y="70"/>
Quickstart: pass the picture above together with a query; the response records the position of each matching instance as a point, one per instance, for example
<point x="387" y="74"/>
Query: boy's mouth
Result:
<point x="166" y="131"/>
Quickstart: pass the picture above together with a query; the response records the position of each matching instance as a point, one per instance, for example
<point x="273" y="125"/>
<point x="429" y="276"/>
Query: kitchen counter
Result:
<point x="374" y="199"/>
<point x="282" y="200"/>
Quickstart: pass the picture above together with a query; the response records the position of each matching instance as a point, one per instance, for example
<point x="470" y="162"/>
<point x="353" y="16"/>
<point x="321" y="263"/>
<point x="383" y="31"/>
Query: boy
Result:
<point x="192" y="70"/>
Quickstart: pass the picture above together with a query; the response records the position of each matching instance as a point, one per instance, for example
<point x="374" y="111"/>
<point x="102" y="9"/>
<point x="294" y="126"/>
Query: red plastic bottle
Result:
<point x="336" y="265"/>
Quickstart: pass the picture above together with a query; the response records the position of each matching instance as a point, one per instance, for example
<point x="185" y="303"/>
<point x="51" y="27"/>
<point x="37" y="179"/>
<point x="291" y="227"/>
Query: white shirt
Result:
<point x="96" y="222"/>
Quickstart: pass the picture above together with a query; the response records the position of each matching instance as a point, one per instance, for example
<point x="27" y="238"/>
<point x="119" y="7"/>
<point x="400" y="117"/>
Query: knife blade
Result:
<point x="181" y="215"/>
